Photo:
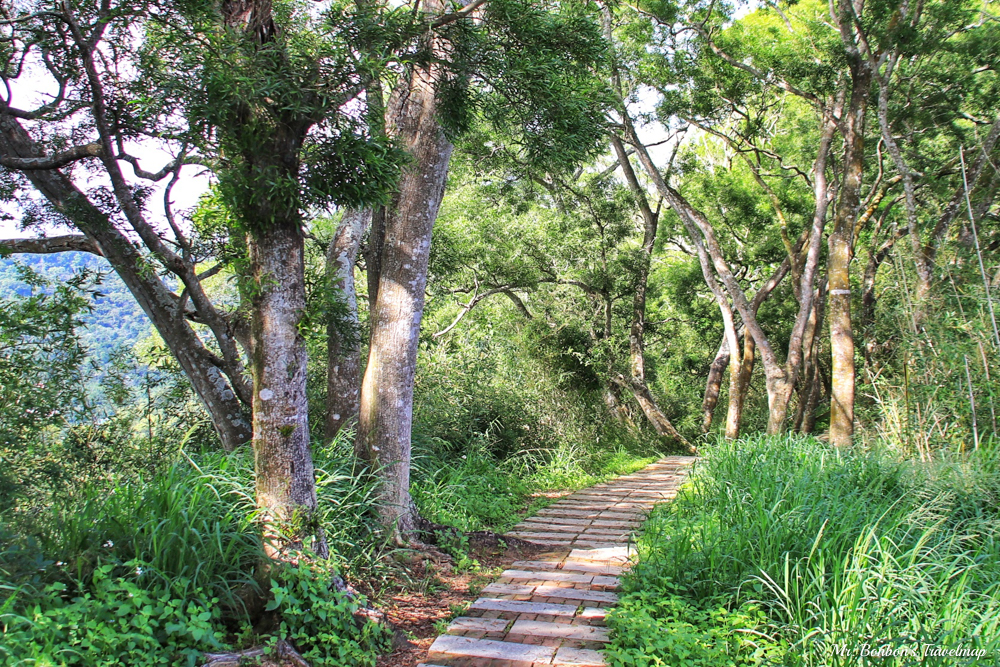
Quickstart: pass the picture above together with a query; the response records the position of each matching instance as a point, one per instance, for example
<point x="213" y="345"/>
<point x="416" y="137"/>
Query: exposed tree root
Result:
<point x="282" y="654"/>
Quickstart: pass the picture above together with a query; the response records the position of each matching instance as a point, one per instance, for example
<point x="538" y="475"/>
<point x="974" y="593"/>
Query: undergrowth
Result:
<point x="784" y="551"/>
<point x="475" y="490"/>
<point x="159" y="568"/>
<point x="156" y="571"/>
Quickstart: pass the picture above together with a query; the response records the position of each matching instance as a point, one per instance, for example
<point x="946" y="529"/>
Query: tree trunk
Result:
<point x="841" y="240"/>
<point x="654" y="415"/>
<point x="200" y="366"/>
<point x="386" y="413"/>
<point x="637" y="330"/>
<point x="343" y="376"/>
<point x="807" y="388"/>
<point x="739" y="385"/>
<point x="613" y="402"/>
<point x="286" y="489"/>
<point x="780" y="377"/>
<point x="779" y="395"/>
<point x="809" y="417"/>
<point x="713" y="385"/>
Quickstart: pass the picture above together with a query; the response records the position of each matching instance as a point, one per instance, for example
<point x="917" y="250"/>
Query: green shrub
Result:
<point x="116" y="621"/>
<point x="158" y="569"/>
<point x="470" y="491"/>
<point x="320" y="620"/>
<point x="673" y="630"/>
<point x="477" y="491"/>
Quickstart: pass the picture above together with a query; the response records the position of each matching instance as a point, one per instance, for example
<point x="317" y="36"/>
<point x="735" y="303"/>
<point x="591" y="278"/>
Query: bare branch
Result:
<point x="518" y="303"/>
<point x="167" y="169"/>
<point x="467" y="308"/>
<point x="52" y="161"/>
<point x="461" y="13"/>
<point x="50" y="245"/>
<point x="29" y="17"/>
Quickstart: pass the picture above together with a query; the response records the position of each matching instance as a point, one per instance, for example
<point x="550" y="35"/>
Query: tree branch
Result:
<point x="50" y="245"/>
<point x="52" y="161"/>
<point x="461" y="13"/>
<point x="474" y="301"/>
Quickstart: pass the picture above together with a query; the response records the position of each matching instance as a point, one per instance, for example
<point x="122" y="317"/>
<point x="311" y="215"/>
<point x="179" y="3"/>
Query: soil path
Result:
<point x="550" y="611"/>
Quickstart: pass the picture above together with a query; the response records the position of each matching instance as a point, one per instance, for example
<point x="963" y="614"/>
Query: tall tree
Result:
<point x="677" y="59"/>
<point x="88" y="120"/>
<point x="473" y="64"/>
<point x="256" y="91"/>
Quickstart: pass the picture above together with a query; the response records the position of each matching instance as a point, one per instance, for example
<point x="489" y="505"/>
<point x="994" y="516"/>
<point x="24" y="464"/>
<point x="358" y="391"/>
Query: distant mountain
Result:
<point x="115" y="319"/>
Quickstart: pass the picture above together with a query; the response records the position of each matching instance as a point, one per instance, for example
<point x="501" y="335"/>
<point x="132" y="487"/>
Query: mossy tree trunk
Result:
<point x="286" y="489"/>
<point x="840" y="243"/>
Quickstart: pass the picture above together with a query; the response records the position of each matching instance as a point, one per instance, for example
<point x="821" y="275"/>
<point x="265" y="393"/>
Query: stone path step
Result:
<point x="550" y="611"/>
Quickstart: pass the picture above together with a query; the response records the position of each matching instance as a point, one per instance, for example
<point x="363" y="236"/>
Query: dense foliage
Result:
<point x="649" y="212"/>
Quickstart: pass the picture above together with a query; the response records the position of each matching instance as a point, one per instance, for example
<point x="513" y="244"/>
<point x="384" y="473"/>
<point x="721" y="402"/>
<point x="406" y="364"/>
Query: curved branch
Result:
<point x="461" y="13"/>
<point x="167" y="169"/>
<point x="475" y="301"/>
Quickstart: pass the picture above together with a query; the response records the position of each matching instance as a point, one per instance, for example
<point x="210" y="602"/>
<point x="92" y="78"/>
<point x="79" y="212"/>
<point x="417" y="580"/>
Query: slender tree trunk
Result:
<point x="739" y="386"/>
<point x="780" y="377"/>
<point x="386" y="413"/>
<point x="637" y="330"/>
<point x="713" y="385"/>
<point x="807" y="387"/>
<point x="841" y="240"/>
<point x="808" y="423"/>
<point x="286" y="489"/>
<point x="613" y="401"/>
<point x="343" y="376"/>
<point x="200" y="366"/>
<point x="654" y="415"/>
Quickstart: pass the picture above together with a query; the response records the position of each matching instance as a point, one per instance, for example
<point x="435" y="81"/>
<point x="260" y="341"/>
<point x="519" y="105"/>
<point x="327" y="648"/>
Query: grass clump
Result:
<point x="786" y="551"/>
<point x="477" y="490"/>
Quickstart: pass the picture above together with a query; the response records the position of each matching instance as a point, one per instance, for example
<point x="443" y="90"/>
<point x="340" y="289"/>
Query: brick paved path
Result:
<point x="550" y="611"/>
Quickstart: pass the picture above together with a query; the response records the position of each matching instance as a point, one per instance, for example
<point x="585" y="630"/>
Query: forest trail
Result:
<point x="550" y="611"/>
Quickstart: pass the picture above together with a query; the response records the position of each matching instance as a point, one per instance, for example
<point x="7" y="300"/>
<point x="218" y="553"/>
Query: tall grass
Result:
<point x="838" y="549"/>
<point x="150" y="548"/>
<point x="476" y="490"/>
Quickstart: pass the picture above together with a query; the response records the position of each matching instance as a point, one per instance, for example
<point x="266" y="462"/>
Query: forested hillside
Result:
<point x="113" y="320"/>
<point x="457" y="261"/>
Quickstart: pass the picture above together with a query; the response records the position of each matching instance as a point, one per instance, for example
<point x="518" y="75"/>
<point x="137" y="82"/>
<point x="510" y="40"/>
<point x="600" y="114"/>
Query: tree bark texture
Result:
<point x="713" y="385"/>
<point x="841" y="240"/>
<point x="739" y="385"/>
<point x="343" y="377"/>
<point x="654" y="415"/>
<point x="164" y="309"/>
<point x="286" y="488"/>
<point x="386" y="411"/>
<point x="808" y="384"/>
